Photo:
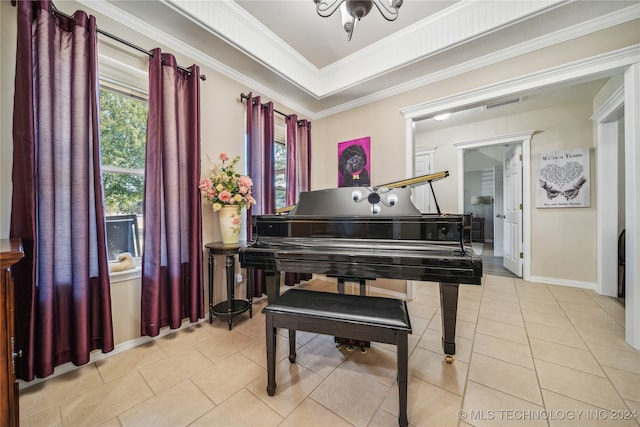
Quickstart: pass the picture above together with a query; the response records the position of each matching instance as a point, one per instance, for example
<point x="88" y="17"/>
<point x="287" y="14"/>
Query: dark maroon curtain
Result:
<point x="260" y="132"/>
<point x="172" y="285"/>
<point x="298" y="158"/>
<point x="63" y="303"/>
<point x="298" y="172"/>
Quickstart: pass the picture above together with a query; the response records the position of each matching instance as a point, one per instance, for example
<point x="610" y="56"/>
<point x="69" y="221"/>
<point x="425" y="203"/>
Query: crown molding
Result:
<point x="462" y="22"/>
<point x="128" y="20"/>
<point x="600" y="64"/>
<point x="309" y="75"/>
<point x="616" y="18"/>
<point x="453" y="26"/>
<point x="241" y="30"/>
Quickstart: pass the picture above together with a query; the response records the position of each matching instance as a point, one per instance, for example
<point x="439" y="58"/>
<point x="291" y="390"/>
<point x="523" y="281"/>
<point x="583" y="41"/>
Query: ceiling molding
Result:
<point x="230" y="22"/>
<point x="600" y="64"/>
<point x="198" y="56"/>
<point x="462" y="22"/>
<point x="308" y="76"/>
<point x="616" y="18"/>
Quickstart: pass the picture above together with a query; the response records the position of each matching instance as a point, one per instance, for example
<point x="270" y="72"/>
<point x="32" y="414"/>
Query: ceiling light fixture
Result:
<point x="441" y="117"/>
<point x="354" y="10"/>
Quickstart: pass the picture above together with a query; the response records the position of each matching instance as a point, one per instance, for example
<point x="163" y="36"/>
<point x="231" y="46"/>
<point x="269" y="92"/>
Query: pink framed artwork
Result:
<point x="353" y="163"/>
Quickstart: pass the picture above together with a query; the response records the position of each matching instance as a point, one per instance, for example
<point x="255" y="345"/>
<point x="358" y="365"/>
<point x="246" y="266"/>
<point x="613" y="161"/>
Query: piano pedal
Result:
<point x="350" y="344"/>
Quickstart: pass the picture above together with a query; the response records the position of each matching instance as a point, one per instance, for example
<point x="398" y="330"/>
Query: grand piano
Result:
<point x="366" y="233"/>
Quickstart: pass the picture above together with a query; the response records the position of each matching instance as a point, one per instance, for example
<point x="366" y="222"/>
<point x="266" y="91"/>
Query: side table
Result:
<point x="231" y="307"/>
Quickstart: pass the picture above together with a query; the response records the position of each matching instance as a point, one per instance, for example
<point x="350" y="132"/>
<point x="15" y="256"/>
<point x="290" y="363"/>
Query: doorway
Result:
<point x="500" y="220"/>
<point x="483" y="199"/>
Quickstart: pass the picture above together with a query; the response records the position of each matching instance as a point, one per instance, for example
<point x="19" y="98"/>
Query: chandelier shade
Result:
<point x="354" y="10"/>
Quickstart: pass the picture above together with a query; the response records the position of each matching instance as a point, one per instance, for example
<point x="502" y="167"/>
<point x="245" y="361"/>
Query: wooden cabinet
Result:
<point x="10" y="253"/>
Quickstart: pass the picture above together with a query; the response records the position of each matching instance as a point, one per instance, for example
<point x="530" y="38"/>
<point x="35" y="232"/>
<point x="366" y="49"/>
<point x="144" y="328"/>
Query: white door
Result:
<point x="512" y="258"/>
<point x="422" y="193"/>
<point x="498" y="212"/>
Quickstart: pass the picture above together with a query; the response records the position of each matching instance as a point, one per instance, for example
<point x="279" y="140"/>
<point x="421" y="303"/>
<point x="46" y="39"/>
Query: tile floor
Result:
<point x="527" y="354"/>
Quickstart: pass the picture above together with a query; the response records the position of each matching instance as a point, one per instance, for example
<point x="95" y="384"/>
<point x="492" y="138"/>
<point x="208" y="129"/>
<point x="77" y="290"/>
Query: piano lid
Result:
<point x="410" y="182"/>
<point x="356" y="201"/>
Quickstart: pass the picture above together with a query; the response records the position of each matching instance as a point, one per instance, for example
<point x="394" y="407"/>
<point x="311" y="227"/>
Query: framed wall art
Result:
<point x="353" y="163"/>
<point x="563" y="179"/>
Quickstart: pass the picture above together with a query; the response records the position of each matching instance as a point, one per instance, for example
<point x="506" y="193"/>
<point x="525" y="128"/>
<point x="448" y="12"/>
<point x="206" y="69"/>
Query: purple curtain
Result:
<point x="298" y="158"/>
<point x="260" y="160"/>
<point x="63" y="303"/>
<point x="298" y="172"/>
<point x="172" y="285"/>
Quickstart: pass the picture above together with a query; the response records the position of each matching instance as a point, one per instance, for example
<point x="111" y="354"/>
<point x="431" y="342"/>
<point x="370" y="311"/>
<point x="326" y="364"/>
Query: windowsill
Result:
<point x="123" y="276"/>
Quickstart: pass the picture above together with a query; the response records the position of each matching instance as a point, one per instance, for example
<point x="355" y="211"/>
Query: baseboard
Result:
<point x="563" y="282"/>
<point x="97" y="355"/>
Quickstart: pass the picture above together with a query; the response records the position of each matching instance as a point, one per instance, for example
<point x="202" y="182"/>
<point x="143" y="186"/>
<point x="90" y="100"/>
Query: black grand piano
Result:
<point x="366" y="233"/>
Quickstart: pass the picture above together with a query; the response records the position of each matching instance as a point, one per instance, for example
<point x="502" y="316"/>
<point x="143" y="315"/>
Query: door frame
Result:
<point x="523" y="138"/>
<point x="607" y="134"/>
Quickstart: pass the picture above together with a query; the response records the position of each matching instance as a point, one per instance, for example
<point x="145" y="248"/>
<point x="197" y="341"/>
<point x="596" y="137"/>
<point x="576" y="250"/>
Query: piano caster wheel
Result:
<point x="448" y="358"/>
<point x="363" y="350"/>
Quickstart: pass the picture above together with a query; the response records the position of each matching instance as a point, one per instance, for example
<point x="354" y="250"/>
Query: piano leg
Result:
<point x="403" y="369"/>
<point x="292" y="345"/>
<point x="273" y="286"/>
<point x="448" y="309"/>
<point x="272" y="334"/>
<point x="342" y="280"/>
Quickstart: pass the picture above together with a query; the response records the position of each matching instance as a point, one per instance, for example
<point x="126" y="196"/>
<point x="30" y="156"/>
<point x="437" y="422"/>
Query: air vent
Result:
<point x="502" y="103"/>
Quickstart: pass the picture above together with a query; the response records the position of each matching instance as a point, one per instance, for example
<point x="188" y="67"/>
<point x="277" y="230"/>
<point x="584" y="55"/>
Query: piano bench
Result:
<point x="378" y="319"/>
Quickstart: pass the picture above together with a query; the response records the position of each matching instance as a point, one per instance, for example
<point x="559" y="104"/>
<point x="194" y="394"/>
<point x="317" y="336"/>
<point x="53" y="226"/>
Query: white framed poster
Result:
<point x="563" y="179"/>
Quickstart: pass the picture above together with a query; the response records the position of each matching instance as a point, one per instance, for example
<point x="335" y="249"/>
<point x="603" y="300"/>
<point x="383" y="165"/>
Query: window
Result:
<point x="280" y="161"/>
<point x="123" y="126"/>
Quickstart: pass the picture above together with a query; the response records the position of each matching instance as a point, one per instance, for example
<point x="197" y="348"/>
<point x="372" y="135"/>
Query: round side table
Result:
<point x="231" y="307"/>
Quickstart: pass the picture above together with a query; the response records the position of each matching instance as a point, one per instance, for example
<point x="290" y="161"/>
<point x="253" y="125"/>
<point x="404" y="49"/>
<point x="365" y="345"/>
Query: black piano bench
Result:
<point x="378" y="319"/>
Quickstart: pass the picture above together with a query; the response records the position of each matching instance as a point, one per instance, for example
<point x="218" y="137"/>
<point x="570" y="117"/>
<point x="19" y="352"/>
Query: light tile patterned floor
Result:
<point x="527" y="354"/>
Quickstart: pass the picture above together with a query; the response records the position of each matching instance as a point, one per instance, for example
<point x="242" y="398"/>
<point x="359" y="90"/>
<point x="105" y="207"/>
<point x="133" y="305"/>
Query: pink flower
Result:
<point x="245" y="181"/>
<point x="224" y="196"/>
<point x="225" y="186"/>
<point x="205" y="184"/>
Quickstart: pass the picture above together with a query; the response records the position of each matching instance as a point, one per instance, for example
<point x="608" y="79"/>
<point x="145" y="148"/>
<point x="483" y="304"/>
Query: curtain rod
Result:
<point x="118" y="39"/>
<point x="243" y="96"/>
<point x="138" y="48"/>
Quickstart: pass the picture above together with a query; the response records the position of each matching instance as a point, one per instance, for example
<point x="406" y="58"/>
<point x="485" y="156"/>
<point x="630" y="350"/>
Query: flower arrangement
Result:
<point x="226" y="187"/>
